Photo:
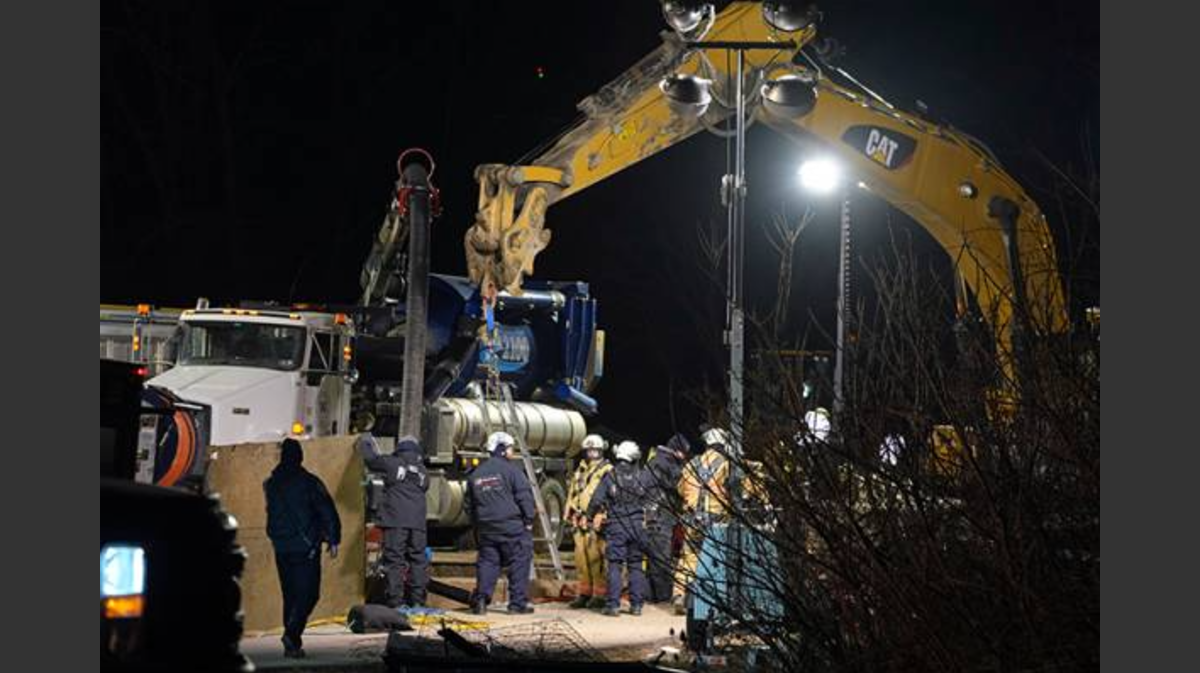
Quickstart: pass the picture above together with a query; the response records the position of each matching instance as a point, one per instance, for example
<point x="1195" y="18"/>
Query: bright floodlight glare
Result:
<point x="820" y="175"/>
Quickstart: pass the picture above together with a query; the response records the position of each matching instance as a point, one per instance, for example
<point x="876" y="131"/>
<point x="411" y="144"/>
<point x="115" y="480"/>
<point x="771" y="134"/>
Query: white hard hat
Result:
<point x="818" y="423"/>
<point x="715" y="437"/>
<point x="628" y="451"/>
<point x="498" y="441"/>
<point x="594" y="442"/>
<point x="889" y="451"/>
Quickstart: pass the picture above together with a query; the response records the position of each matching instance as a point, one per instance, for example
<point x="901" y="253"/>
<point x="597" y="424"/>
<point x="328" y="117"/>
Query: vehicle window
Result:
<point x="245" y="344"/>
<point x="322" y="352"/>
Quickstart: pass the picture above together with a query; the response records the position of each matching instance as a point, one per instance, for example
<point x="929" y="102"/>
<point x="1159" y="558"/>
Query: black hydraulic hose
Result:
<point x="415" y="186"/>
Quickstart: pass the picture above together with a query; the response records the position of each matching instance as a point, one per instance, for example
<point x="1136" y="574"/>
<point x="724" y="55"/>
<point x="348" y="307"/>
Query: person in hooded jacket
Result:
<point x="402" y="518"/>
<point x="500" y="503"/>
<point x="300" y="517"/>
<point x="665" y="468"/>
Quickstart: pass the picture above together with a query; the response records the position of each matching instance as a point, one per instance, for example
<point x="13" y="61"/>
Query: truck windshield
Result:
<point x="244" y="344"/>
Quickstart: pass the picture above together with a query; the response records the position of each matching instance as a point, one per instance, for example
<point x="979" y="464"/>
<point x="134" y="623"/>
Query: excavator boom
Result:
<point x="949" y="183"/>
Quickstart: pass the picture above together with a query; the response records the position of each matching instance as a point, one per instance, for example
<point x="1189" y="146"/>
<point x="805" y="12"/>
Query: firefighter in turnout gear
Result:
<point x="702" y="489"/>
<point x="621" y="496"/>
<point x="589" y="547"/>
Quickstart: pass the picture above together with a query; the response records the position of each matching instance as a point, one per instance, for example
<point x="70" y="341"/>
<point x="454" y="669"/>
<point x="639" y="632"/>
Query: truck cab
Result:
<point x="260" y="373"/>
<point x="263" y="375"/>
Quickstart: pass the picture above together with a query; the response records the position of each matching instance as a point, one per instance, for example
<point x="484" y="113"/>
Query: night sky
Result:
<point x="248" y="152"/>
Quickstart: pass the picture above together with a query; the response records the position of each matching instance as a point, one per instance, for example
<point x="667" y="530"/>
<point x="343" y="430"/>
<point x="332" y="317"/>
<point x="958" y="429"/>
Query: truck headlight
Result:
<point x="122" y="580"/>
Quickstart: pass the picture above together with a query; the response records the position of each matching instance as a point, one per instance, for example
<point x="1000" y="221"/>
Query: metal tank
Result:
<point x="455" y="432"/>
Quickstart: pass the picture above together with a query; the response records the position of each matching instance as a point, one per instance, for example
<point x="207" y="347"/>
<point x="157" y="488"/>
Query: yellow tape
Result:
<point x="452" y="623"/>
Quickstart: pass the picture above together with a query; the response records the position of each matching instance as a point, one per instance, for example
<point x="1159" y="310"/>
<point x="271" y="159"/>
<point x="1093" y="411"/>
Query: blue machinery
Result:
<point x="714" y="603"/>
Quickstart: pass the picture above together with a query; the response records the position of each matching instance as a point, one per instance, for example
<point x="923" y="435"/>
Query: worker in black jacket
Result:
<point x="402" y="518"/>
<point x="665" y="467"/>
<point x="300" y="516"/>
<point x="618" y="508"/>
<point x="500" y="503"/>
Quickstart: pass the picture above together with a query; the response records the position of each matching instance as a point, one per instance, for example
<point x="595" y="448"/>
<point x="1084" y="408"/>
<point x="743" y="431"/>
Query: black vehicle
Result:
<point x="169" y="561"/>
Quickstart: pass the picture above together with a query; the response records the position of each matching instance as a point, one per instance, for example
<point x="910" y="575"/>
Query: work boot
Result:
<point x="610" y="611"/>
<point x="291" y="648"/>
<point x="581" y="601"/>
<point x="597" y="602"/>
<point x="479" y="607"/>
<point x="635" y="610"/>
<point x="520" y="609"/>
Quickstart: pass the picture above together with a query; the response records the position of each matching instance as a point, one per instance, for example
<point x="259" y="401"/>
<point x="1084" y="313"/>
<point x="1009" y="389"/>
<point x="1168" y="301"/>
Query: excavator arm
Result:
<point x="995" y="234"/>
<point x="953" y="187"/>
<point x="623" y="123"/>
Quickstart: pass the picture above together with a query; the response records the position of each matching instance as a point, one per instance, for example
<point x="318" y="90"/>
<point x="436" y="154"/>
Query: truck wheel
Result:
<point x="554" y="497"/>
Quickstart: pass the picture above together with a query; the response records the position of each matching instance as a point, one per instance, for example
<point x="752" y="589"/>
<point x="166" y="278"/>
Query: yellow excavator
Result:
<point x="997" y="238"/>
<point x="948" y="182"/>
